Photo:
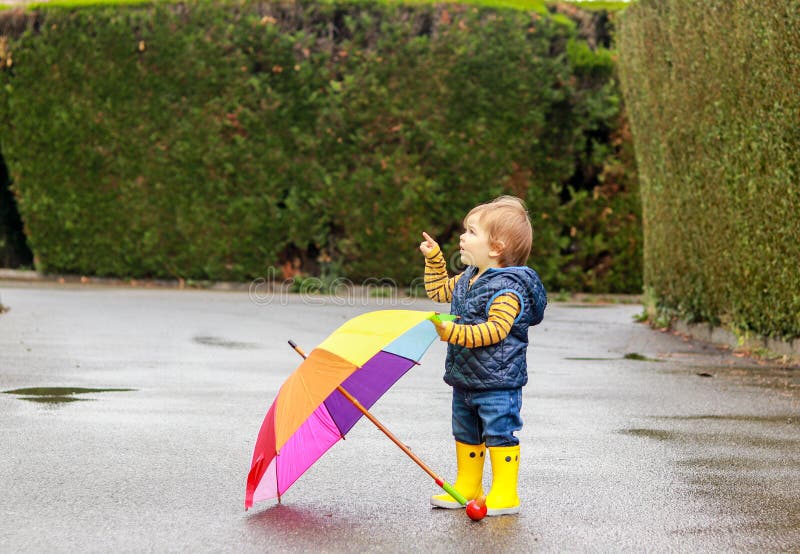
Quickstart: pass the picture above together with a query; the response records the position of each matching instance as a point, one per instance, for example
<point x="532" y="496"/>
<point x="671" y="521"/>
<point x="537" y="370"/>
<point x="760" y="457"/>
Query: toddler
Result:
<point x="496" y="299"/>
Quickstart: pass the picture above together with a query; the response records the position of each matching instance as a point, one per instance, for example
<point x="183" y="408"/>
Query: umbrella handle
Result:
<point x="448" y="488"/>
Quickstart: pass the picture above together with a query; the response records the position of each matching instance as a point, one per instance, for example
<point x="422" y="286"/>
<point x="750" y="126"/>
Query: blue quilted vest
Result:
<point x="502" y="365"/>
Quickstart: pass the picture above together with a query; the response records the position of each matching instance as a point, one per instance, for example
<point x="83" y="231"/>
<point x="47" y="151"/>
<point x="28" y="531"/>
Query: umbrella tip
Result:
<point x="297" y="349"/>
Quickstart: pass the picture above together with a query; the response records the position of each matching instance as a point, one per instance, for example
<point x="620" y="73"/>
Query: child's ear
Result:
<point x="497" y="249"/>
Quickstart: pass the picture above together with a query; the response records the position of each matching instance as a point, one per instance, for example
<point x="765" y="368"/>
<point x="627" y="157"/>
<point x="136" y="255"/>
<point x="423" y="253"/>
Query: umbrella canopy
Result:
<point x="364" y="357"/>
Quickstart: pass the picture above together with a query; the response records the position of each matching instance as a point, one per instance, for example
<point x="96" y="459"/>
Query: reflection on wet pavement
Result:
<point x="57" y="395"/>
<point x="741" y="466"/>
<point x="223" y="343"/>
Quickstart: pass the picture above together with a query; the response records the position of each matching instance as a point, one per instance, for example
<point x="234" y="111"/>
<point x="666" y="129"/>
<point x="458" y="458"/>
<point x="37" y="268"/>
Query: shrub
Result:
<point x="213" y="141"/>
<point x="712" y="95"/>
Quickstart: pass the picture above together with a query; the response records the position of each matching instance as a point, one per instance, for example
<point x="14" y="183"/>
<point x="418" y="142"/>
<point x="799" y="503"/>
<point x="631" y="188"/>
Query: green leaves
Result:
<point x="711" y="90"/>
<point x="214" y="141"/>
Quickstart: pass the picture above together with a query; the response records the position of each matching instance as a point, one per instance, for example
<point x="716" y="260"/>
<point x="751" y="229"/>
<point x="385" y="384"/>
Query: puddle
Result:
<point x="629" y="356"/>
<point x="224" y="343"/>
<point x="53" y="399"/>
<point x="742" y="468"/>
<point x="639" y="357"/>
<point x="656" y="434"/>
<point x="787" y="419"/>
<point x="708" y="438"/>
<point x="58" y="395"/>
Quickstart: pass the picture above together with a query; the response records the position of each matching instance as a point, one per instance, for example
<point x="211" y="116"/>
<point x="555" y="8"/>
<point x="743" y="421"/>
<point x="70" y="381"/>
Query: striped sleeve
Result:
<point x="438" y="286"/>
<point x="502" y="313"/>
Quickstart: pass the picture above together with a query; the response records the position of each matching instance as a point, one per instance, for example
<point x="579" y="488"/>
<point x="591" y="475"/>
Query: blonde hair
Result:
<point x="506" y="221"/>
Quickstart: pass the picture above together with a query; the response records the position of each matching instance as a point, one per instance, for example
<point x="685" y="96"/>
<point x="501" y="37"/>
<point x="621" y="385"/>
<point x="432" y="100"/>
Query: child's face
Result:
<point x="475" y="246"/>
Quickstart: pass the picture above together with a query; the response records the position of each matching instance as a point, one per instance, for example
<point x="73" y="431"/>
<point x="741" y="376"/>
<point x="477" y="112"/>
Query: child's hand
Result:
<point x="443" y="328"/>
<point x="428" y="245"/>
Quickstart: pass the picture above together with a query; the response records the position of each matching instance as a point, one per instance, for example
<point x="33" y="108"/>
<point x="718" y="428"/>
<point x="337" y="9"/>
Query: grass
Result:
<point x="538" y="6"/>
<point x="526" y="5"/>
<point x="88" y="3"/>
<point x="600" y="5"/>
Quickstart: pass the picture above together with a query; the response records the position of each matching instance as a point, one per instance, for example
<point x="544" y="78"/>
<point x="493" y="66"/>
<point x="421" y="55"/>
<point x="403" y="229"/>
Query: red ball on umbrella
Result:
<point x="476" y="509"/>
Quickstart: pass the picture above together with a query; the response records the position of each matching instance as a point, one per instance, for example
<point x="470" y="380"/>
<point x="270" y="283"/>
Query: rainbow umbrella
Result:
<point x="330" y="391"/>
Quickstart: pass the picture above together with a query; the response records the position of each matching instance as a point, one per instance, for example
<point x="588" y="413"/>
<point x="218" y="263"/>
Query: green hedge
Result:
<point x="207" y="140"/>
<point x="712" y="92"/>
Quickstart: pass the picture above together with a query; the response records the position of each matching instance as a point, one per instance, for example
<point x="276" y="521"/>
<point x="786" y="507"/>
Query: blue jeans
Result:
<point x="487" y="416"/>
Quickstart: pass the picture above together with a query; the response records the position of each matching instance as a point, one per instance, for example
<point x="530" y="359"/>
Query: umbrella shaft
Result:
<point x="389" y="434"/>
<point x="379" y="425"/>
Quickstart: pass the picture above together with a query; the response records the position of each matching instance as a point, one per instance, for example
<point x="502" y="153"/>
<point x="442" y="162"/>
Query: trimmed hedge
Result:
<point x="205" y="140"/>
<point x="712" y="94"/>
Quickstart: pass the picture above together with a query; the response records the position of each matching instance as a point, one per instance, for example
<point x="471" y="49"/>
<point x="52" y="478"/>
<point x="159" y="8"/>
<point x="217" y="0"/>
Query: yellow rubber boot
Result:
<point x="469" y="479"/>
<point x="503" y="499"/>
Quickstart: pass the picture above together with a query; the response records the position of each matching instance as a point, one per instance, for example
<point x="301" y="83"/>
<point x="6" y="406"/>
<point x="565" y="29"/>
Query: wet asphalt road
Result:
<point x="619" y="454"/>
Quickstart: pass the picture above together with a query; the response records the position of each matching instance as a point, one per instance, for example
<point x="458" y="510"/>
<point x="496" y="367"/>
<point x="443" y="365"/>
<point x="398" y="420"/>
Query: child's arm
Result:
<point x="502" y="313"/>
<point x="438" y="286"/>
